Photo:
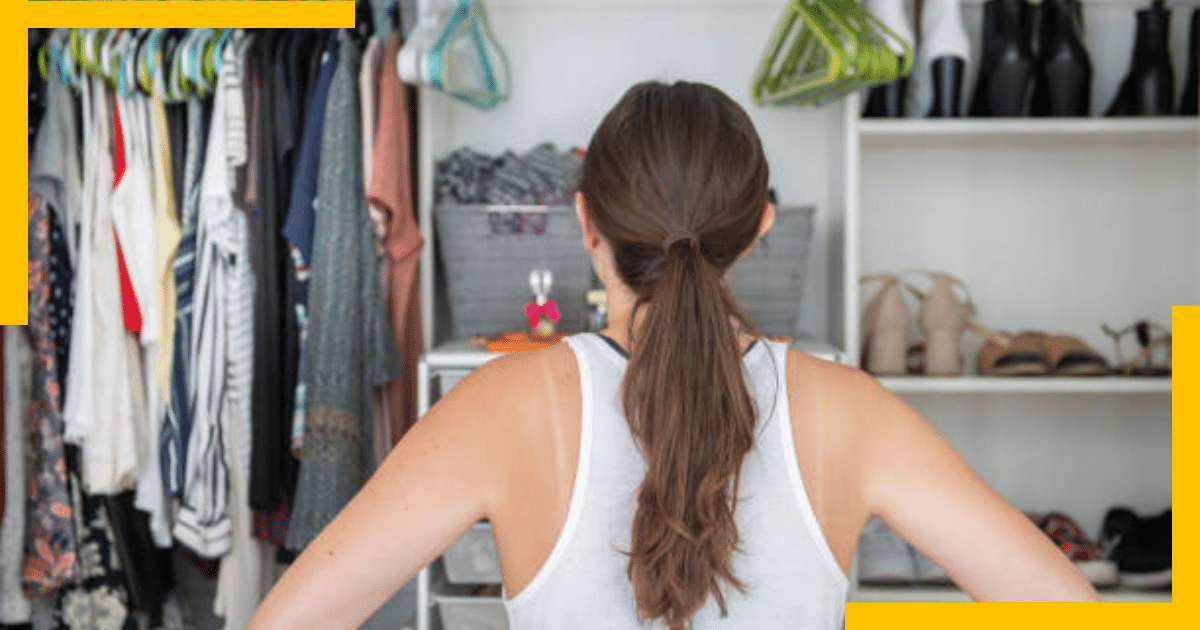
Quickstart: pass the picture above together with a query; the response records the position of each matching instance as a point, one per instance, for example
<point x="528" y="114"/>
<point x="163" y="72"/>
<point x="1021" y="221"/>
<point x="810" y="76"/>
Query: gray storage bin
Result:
<point x="472" y="613"/>
<point x="486" y="263"/>
<point x="769" y="281"/>
<point x="472" y="559"/>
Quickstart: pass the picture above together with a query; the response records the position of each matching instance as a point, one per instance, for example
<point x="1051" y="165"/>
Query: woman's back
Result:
<point x="792" y="579"/>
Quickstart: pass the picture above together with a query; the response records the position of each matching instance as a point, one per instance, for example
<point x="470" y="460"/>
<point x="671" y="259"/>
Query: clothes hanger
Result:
<point x="461" y="63"/>
<point x="434" y="54"/>
<point x="823" y="49"/>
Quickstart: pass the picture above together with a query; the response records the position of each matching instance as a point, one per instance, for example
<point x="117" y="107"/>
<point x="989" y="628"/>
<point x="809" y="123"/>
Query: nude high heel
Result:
<point x="885" y="328"/>
<point x="944" y="317"/>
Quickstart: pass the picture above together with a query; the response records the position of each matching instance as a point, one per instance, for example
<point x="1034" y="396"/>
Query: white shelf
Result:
<point x="952" y="594"/>
<point x="1030" y="384"/>
<point x="1137" y="133"/>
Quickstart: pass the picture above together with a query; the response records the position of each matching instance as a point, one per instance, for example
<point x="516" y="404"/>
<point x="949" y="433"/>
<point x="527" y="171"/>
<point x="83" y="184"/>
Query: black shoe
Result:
<point x="1008" y="69"/>
<point x="1187" y="104"/>
<point x="887" y="101"/>
<point x="1064" y="83"/>
<point x="1141" y="547"/>
<point x="1149" y="87"/>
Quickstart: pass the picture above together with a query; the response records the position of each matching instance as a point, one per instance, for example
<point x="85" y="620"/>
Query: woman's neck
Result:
<point x="620" y="310"/>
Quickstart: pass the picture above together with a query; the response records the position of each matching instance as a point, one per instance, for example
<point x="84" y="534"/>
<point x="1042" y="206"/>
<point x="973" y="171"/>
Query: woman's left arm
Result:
<point x="442" y="477"/>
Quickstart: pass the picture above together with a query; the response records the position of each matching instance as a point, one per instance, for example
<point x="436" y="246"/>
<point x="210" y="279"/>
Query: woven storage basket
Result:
<point x="487" y="253"/>
<point x="769" y="281"/>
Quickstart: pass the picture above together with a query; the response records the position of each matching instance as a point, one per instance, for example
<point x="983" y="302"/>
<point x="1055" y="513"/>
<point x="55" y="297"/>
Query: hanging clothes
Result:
<point x="344" y="295"/>
<point x="113" y="446"/>
<point x="50" y="555"/>
<point x="298" y="229"/>
<point x="273" y="476"/>
<point x="391" y="193"/>
<point x="15" y="607"/>
<point x="222" y="258"/>
<point x="100" y="599"/>
<point x="151" y="495"/>
<point x="246" y="570"/>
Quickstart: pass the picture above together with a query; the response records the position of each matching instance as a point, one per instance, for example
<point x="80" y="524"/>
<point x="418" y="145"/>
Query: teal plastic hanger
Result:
<point x="469" y="23"/>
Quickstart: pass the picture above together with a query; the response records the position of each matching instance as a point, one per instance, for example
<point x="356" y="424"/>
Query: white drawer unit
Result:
<point x="472" y="613"/>
<point x="472" y="560"/>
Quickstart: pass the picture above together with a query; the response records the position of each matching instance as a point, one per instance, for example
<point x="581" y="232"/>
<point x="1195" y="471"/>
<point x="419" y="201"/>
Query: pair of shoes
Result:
<point x="1154" y="358"/>
<point x="1149" y="87"/>
<point x="935" y="87"/>
<point x="1141" y="547"/>
<point x="1081" y="550"/>
<point x="943" y="317"/>
<point x="1014" y="80"/>
<point x="886" y="558"/>
<point x="1033" y="353"/>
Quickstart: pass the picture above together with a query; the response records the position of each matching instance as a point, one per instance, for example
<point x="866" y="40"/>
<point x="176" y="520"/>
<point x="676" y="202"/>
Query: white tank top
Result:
<point x="791" y="576"/>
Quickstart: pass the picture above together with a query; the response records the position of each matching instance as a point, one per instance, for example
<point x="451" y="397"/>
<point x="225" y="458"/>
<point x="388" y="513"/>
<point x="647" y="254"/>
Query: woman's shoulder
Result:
<point x="845" y="398"/>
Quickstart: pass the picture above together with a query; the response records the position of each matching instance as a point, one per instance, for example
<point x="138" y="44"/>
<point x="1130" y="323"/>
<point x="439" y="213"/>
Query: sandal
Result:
<point x="1070" y="356"/>
<point x="1151" y="337"/>
<point x="1023" y="354"/>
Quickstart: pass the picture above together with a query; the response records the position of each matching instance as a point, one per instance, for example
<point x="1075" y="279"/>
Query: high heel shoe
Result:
<point x="887" y="100"/>
<point x="885" y="328"/>
<point x="942" y="58"/>
<point x="1008" y="69"/>
<point x="1188" y="103"/>
<point x="1064" y="78"/>
<point x="944" y="317"/>
<point x="1149" y="87"/>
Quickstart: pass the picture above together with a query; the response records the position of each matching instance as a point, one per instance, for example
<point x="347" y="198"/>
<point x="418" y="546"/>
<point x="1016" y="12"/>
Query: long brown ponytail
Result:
<point x="680" y="165"/>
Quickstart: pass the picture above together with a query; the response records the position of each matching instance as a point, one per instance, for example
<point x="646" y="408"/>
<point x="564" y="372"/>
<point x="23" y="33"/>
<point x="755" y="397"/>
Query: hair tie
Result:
<point x="677" y="236"/>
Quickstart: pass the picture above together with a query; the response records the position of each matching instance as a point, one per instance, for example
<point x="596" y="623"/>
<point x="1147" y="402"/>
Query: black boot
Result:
<point x="1187" y="104"/>
<point x="1149" y="88"/>
<point x="1064" y="85"/>
<point x="887" y="101"/>
<point x="947" y="73"/>
<point x="1007" y="71"/>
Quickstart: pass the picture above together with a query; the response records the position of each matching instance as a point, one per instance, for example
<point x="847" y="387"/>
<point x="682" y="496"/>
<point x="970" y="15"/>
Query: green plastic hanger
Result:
<point x="823" y="49"/>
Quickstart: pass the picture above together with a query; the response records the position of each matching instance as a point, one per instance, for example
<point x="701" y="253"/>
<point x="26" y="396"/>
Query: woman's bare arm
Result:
<point x="924" y="490"/>
<point x="439" y="480"/>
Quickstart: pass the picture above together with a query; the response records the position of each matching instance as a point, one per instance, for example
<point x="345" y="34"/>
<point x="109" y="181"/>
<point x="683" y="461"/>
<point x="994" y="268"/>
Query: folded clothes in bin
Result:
<point x="540" y="176"/>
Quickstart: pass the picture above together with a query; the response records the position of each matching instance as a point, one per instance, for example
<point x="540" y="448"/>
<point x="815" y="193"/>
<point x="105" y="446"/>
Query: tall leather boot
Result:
<point x="1008" y="70"/>
<point x="1149" y="88"/>
<point x="1064" y="84"/>
<point x="941" y="62"/>
<point x="887" y="101"/>
<point x="1187" y="104"/>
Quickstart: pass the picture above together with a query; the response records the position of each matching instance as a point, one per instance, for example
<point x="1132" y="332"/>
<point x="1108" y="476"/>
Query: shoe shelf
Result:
<point x="952" y="594"/>
<point x="1163" y="130"/>
<point x="1029" y="384"/>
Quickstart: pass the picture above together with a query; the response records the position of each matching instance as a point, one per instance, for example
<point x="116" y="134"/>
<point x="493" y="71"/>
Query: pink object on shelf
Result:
<point x="532" y="311"/>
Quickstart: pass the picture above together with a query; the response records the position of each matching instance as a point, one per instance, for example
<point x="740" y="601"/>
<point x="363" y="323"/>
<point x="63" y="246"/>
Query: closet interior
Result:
<point x="1082" y="227"/>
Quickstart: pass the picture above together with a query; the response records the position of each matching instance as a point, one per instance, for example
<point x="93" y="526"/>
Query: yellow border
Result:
<point x="1185" y="321"/>
<point x="143" y="14"/>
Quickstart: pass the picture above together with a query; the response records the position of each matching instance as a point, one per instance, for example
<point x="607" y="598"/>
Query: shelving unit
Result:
<point x="1029" y="385"/>
<point x="1059" y="224"/>
<point x="951" y="594"/>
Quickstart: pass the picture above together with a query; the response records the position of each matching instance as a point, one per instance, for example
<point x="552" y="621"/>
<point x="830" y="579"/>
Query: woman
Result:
<point x="677" y="467"/>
